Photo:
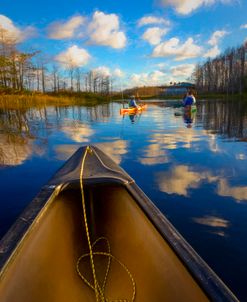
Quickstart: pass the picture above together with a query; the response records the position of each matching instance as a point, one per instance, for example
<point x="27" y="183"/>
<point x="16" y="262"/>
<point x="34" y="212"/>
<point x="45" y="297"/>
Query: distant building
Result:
<point x="177" y="88"/>
<point x="172" y="89"/>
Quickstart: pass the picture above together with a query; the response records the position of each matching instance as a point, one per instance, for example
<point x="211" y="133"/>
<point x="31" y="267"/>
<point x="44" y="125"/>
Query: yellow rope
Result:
<point x="98" y="290"/>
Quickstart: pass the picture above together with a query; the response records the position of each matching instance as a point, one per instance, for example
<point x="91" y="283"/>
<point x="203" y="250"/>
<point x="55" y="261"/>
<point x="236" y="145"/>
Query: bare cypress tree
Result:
<point x="227" y="73"/>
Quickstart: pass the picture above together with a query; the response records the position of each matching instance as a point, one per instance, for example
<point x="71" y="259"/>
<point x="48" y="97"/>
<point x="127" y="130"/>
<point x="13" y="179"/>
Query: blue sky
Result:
<point x="138" y="43"/>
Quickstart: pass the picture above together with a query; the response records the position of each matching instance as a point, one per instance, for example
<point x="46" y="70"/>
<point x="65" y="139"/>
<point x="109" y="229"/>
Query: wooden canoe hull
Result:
<point x="40" y="252"/>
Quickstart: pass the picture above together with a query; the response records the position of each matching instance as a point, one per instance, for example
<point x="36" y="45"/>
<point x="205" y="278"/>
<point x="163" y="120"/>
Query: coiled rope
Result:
<point x="98" y="290"/>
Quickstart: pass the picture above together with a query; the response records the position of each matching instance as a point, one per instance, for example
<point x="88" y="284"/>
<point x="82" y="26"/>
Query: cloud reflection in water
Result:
<point x="217" y="225"/>
<point x="77" y="131"/>
<point x="212" y="221"/>
<point x="115" y="150"/>
<point x="154" y="155"/>
<point x="238" y="192"/>
<point x="179" y="179"/>
<point x="184" y="138"/>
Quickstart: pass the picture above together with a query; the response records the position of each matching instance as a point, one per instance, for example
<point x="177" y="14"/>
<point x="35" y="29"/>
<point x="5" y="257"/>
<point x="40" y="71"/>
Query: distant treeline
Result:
<point x="227" y="73"/>
<point x="34" y="71"/>
<point x="145" y="91"/>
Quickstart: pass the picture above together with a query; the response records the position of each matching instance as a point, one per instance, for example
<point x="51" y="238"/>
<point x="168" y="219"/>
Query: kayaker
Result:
<point x="185" y="96"/>
<point x="132" y="102"/>
<point x="190" y="99"/>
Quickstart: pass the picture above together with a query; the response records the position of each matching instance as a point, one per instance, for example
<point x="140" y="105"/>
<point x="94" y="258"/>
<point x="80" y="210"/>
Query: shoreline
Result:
<point x="198" y="96"/>
<point x="27" y="100"/>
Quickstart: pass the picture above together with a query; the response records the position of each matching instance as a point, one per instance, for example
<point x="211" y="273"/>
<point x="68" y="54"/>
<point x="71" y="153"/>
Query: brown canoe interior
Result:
<point x="43" y="267"/>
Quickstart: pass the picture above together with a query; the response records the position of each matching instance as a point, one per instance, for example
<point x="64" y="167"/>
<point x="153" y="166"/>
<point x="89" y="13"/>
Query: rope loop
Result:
<point x="98" y="289"/>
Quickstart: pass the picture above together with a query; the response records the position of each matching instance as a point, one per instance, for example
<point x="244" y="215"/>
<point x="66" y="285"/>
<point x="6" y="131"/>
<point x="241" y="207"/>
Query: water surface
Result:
<point x="192" y="166"/>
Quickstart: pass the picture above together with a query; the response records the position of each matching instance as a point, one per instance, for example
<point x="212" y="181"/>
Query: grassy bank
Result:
<point x="28" y="100"/>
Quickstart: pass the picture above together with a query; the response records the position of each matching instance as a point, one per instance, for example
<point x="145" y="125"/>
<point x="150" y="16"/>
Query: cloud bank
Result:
<point x="153" y="35"/>
<point x="173" y="47"/>
<point x="216" y="36"/>
<point x="104" y="30"/>
<point x="183" y="70"/>
<point x="152" y="20"/>
<point x="65" y="30"/>
<point x="12" y="32"/>
<point x="73" y="57"/>
<point x="212" y="52"/>
<point x="185" y="7"/>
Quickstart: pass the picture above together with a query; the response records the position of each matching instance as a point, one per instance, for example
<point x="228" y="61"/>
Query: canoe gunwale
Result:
<point x="22" y="226"/>
<point x="205" y="277"/>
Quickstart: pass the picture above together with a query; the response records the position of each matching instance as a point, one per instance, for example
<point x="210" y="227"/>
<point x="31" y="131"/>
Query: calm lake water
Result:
<point x="193" y="167"/>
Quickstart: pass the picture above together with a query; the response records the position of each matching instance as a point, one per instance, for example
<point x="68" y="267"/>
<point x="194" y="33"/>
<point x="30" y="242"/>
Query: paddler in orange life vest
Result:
<point x="132" y="102"/>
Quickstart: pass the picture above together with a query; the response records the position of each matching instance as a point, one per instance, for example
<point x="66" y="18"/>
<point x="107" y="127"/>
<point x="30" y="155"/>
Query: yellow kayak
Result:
<point x="133" y="110"/>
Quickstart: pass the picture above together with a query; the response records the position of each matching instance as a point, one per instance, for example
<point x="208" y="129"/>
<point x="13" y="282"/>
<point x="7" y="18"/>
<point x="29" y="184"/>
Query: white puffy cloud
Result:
<point x="153" y="78"/>
<point x="156" y="76"/>
<point x="65" y="30"/>
<point x="161" y="65"/>
<point x="11" y="31"/>
<point x="153" y="35"/>
<point x="244" y="26"/>
<point x="212" y="52"/>
<point x="104" y="30"/>
<point x="185" y="7"/>
<point x="183" y="70"/>
<point x="138" y="79"/>
<point x="117" y="72"/>
<point x="214" y="41"/>
<point x="106" y="71"/>
<point x="216" y="36"/>
<point x="173" y="47"/>
<point x="73" y="57"/>
<point x="8" y="25"/>
<point x="102" y="70"/>
<point x="152" y="20"/>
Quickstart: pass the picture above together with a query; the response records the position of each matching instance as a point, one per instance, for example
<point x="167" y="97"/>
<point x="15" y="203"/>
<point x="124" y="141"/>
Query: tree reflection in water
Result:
<point x="21" y="128"/>
<point x="227" y="118"/>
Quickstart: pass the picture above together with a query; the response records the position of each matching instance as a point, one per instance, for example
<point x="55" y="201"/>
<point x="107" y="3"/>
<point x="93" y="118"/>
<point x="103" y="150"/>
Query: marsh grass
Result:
<point x="44" y="100"/>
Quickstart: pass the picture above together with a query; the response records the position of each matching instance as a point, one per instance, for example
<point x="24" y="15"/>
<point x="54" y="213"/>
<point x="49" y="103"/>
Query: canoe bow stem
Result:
<point x="96" y="287"/>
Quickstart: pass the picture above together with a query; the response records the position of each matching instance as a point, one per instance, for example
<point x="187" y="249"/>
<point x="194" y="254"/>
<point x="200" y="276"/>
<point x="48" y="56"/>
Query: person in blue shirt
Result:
<point x="132" y="102"/>
<point x="189" y="100"/>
